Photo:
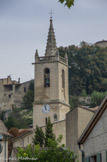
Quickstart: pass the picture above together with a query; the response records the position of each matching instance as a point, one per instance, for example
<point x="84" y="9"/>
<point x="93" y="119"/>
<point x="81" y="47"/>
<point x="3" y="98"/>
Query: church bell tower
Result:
<point x="51" y="84"/>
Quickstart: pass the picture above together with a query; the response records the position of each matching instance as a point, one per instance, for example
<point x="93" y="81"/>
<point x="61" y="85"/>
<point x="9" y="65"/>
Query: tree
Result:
<point x="29" y="97"/>
<point x="49" y="132"/>
<point x="10" y="122"/>
<point x="19" y="116"/>
<point x="68" y="3"/>
<point x="74" y="101"/>
<point x="38" y="137"/>
<point x="53" y="153"/>
<point x="2" y="113"/>
<point x="88" y="68"/>
<point x="14" y="131"/>
<point x="97" y="98"/>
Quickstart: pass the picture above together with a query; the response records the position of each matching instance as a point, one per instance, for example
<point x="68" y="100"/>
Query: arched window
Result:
<point x="55" y="117"/>
<point x="63" y="79"/>
<point x="46" y="77"/>
<point x="46" y="120"/>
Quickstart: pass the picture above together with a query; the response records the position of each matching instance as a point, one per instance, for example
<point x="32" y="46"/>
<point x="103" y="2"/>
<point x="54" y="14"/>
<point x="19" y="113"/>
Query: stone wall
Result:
<point x="97" y="140"/>
<point x="102" y="43"/>
<point x="76" y="121"/>
<point x="11" y="93"/>
<point x="59" y="128"/>
<point x="23" y="141"/>
<point x="4" y="153"/>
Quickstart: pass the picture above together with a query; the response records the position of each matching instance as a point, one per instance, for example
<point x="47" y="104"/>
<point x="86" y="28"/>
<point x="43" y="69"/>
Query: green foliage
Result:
<point x="49" y="132"/>
<point x="41" y="138"/>
<point x="29" y="97"/>
<point x="38" y="137"/>
<point x="74" y="101"/>
<point x="88" y="68"/>
<point x="67" y="3"/>
<point x="18" y="117"/>
<point x="97" y="98"/>
<point x="22" y="114"/>
<point x="10" y="122"/>
<point x="83" y="93"/>
<point x="53" y="153"/>
<point x="2" y="113"/>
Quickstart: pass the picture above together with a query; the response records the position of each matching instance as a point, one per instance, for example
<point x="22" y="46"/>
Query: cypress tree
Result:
<point x="38" y="137"/>
<point x="49" y="132"/>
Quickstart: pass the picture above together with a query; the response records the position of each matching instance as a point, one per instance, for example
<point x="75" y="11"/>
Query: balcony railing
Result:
<point x="51" y="59"/>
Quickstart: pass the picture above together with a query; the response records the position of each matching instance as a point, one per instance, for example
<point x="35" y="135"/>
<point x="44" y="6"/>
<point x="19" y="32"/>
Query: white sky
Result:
<point x="24" y="28"/>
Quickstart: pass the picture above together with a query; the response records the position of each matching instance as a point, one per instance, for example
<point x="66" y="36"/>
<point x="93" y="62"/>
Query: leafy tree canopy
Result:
<point x="53" y="153"/>
<point x="67" y="3"/>
<point x="97" y="98"/>
<point x="19" y="116"/>
<point x="88" y="68"/>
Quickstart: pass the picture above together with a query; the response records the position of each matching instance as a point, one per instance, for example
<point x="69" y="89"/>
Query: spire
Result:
<point x="36" y="56"/>
<point x="51" y="41"/>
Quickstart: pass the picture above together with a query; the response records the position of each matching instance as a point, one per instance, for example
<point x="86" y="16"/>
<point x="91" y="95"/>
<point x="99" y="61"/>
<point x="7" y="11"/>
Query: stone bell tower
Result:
<point x="51" y="84"/>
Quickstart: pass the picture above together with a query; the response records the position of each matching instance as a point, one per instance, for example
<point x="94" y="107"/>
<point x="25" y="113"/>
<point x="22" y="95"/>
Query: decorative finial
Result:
<point x="36" y="53"/>
<point x="51" y="13"/>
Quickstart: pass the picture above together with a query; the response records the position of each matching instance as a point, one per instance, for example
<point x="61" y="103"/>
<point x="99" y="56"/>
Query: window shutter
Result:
<point x="87" y="159"/>
<point x="99" y="157"/>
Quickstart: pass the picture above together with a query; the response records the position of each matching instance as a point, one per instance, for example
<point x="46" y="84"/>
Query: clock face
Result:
<point x="45" y="108"/>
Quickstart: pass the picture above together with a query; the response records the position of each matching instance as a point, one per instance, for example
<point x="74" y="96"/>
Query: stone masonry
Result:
<point x="11" y="93"/>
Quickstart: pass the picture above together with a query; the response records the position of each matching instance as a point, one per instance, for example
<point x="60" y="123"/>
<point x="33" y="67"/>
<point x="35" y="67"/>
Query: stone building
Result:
<point x="93" y="141"/>
<point x="4" y="142"/>
<point x="102" y="43"/>
<point x="11" y="93"/>
<point x="76" y="121"/>
<point x="51" y="84"/>
<point x="52" y="98"/>
<point x="24" y="139"/>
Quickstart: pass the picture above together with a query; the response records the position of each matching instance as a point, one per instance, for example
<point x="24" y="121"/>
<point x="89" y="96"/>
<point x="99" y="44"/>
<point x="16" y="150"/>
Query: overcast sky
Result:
<point x="24" y="28"/>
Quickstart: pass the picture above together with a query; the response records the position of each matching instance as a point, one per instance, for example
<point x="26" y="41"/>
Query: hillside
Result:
<point x="24" y="114"/>
<point x="87" y="82"/>
<point x="87" y="68"/>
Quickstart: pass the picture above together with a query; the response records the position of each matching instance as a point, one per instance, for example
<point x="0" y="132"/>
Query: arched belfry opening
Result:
<point x="46" y="77"/>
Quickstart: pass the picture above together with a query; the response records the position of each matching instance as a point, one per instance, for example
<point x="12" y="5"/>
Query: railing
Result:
<point x="48" y="58"/>
<point x="52" y="58"/>
<point x="62" y="59"/>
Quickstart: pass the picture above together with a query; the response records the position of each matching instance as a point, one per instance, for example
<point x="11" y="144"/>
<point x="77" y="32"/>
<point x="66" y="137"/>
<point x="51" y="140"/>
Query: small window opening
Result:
<point x="55" y="117"/>
<point x="46" y="120"/>
<point x="24" y="89"/>
<point x="63" y="79"/>
<point x="9" y="95"/>
<point x="46" y="77"/>
<point x="28" y="139"/>
<point x="93" y="158"/>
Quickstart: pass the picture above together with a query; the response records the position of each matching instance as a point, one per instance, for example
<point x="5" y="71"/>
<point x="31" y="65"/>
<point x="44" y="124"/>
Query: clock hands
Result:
<point x="46" y="108"/>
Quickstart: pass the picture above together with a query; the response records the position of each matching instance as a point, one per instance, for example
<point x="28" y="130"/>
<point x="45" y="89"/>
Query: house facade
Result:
<point x="4" y="142"/>
<point x="102" y="43"/>
<point x="11" y="93"/>
<point x="76" y="121"/>
<point x="94" y="138"/>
